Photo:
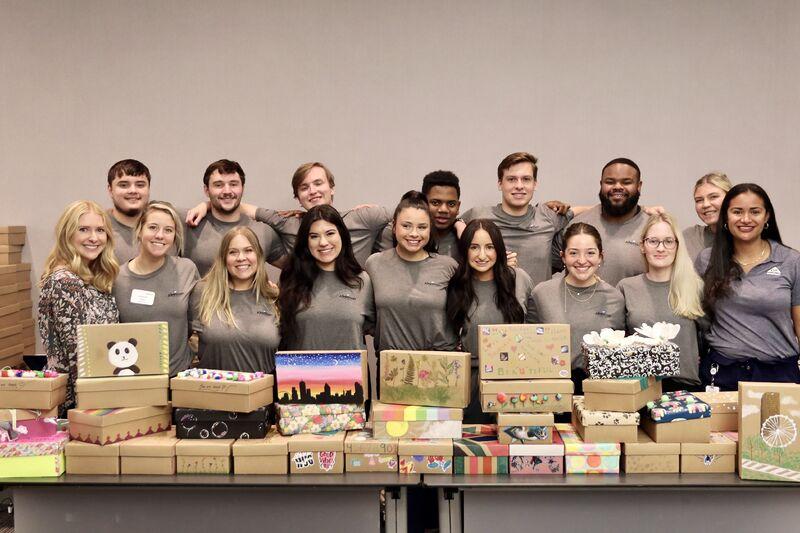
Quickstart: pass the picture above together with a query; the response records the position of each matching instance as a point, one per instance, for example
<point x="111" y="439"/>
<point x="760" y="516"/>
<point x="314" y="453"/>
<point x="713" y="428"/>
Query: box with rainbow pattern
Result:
<point x="587" y="458"/>
<point x="390" y="421"/>
<point x="480" y="454"/>
<point x="524" y="351"/>
<point x="527" y="396"/>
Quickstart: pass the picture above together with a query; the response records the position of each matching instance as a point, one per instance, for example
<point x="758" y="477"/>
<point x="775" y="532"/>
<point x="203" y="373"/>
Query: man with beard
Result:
<point x="129" y="189"/>
<point x="619" y="219"/>
<point x="223" y="184"/>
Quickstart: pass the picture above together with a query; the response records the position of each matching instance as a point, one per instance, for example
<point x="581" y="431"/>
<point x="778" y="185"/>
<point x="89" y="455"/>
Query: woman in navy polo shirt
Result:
<point x="752" y="295"/>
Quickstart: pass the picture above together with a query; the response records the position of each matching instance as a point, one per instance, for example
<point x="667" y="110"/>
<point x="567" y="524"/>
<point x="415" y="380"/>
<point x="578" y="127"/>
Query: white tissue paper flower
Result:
<point x="658" y="332"/>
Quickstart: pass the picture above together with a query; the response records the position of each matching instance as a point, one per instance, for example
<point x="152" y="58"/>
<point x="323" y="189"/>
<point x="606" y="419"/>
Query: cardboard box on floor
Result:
<point x="132" y="391"/>
<point x="646" y="456"/>
<point x="112" y="350"/>
<point x="86" y="458"/>
<point x="626" y="395"/>
<point x="317" y="454"/>
<point x="425" y="456"/>
<point x="262" y="456"/>
<point x="33" y="393"/>
<point x="106" y="426"/>
<point x="238" y="396"/>
<point x="525" y="428"/>
<point x="697" y="430"/>
<point x="527" y="395"/>
<point x="716" y="456"/>
<point x="724" y="409"/>
<point x="154" y="454"/>
<point x="197" y="456"/>
<point x="439" y="379"/>
<point x="524" y="351"/>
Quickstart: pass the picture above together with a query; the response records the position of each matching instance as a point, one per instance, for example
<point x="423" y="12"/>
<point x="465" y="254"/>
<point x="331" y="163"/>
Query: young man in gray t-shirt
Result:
<point x="129" y="189"/>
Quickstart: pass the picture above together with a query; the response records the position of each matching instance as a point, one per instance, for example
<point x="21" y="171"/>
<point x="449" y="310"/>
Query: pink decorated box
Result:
<point x="585" y="457"/>
<point x="537" y="458"/>
<point x="36" y="446"/>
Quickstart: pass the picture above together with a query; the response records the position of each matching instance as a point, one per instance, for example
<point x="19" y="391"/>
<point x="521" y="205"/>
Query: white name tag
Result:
<point x="138" y="296"/>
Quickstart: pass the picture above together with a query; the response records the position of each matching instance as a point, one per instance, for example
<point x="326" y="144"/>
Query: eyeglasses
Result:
<point x="669" y="243"/>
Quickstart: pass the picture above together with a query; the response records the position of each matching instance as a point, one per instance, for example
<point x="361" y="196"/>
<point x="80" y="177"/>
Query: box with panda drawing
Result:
<point x="132" y="349"/>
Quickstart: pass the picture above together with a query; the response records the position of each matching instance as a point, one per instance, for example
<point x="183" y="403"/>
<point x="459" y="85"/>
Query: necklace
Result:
<point x="575" y="295"/>
<point x="756" y="260"/>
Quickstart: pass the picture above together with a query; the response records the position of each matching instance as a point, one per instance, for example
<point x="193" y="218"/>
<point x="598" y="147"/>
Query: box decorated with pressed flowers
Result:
<point x="435" y="379"/>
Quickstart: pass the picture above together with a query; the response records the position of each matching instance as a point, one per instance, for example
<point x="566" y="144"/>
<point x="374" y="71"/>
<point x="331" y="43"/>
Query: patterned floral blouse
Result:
<point x="66" y="302"/>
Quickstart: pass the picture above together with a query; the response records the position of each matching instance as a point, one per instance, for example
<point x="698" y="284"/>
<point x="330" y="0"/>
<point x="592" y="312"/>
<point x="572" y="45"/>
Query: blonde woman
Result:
<point x="76" y="285"/>
<point x="670" y="291"/>
<point x="709" y="191"/>
<point x="157" y="286"/>
<point x="234" y="309"/>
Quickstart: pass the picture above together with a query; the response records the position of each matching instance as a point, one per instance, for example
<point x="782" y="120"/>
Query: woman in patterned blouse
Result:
<point x="76" y="286"/>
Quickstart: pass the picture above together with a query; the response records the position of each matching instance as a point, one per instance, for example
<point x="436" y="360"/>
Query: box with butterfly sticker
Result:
<point x="524" y="351"/>
<point x="537" y="458"/>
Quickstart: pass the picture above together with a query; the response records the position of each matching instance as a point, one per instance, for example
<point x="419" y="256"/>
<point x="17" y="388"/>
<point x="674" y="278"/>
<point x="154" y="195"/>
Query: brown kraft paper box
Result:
<point x="524" y="351"/>
<point x="626" y="395"/>
<point x="525" y="428"/>
<point x="438" y="379"/>
<point x="203" y="456"/>
<point x="106" y="426"/>
<point x="136" y="391"/>
<point x="527" y="396"/>
<point x="724" y="409"/>
<point x="85" y="458"/>
<point x="603" y="426"/>
<point x="238" y="396"/>
<point x="33" y="393"/>
<point x="12" y="356"/>
<point x="8" y="294"/>
<point x="131" y="349"/>
<point x="11" y="336"/>
<point x="697" y="430"/>
<point x="364" y="453"/>
<point x="8" y="274"/>
<point x="717" y="456"/>
<point x="425" y="456"/>
<point x="262" y="456"/>
<point x="25" y="309"/>
<point x="317" y="454"/>
<point x="152" y="455"/>
<point x="648" y="457"/>
<point x="8" y="315"/>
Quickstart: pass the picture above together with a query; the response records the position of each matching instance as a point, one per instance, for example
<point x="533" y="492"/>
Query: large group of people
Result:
<point x="424" y="278"/>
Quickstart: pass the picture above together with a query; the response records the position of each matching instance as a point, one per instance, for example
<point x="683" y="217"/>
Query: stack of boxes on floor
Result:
<point x="525" y="371"/>
<point x="422" y="396"/>
<point x="17" y="336"/>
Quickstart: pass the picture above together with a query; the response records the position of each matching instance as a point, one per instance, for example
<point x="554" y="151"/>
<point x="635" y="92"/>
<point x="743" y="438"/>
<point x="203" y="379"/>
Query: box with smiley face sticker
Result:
<point x="524" y="351"/>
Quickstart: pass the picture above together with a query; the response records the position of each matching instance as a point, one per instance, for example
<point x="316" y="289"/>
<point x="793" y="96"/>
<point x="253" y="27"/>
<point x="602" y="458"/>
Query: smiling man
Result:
<point x="129" y="189"/>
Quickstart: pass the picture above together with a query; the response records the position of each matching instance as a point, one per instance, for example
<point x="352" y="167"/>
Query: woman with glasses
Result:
<point x="669" y="291"/>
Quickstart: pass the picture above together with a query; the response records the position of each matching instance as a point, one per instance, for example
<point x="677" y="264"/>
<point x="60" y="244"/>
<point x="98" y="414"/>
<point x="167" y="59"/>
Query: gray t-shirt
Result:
<point x="596" y="307"/>
<point x="202" y="242"/>
<point x="410" y="299"/>
<point x="447" y="245"/>
<point x="485" y="311"/>
<point x="530" y="235"/>
<point x="250" y="347"/>
<point x="622" y="257"/>
<point x="337" y="316"/>
<point x="755" y="319"/>
<point x="647" y="301"/>
<point x="365" y="226"/>
<point x="696" y="238"/>
<point x="171" y="288"/>
<point x="125" y="246"/>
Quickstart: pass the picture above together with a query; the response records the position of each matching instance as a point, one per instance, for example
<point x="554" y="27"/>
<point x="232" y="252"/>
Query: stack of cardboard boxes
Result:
<point x="17" y="333"/>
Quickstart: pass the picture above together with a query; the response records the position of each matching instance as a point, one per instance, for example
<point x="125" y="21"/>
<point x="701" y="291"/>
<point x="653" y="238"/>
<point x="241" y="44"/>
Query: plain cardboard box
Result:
<point x="15" y="239"/>
<point x="153" y="454"/>
<point x="24" y="273"/>
<point x="8" y="294"/>
<point x="626" y="395"/>
<point x="724" y="409"/>
<point x="198" y="456"/>
<point x="365" y="453"/>
<point x="10" y="336"/>
<point x="8" y="257"/>
<point x="8" y="275"/>
<point x="525" y="428"/>
<point x="716" y="456"/>
<point x="8" y="315"/>
<point x="27" y="414"/>
<point x="86" y="458"/>
<point x="527" y="395"/>
<point x="439" y="379"/>
<point x="239" y="396"/>
<point x="97" y="345"/>
<point x="25" y="309"/>
<point x="12" y="356"/>
<point x="106" y="426"/>
<point x="524" y="351"/>
<point x="317" y="454"/>
<point x="130" y="391"/>
<point x="646" y="456"/>
<point x="603" y="426"/>
<point x="33" y="393"/>
<point x="262" y="456"/>
<point x="425" y="456"/>
<point x="13" y="229"/>
<point x="696" y="430"/>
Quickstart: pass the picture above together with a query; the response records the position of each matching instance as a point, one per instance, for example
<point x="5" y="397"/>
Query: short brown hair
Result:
<point x="223" y="166"/>
<point x="303" y="170"/>
<point x="515" y="159"/>
<point x="128" y="167"/>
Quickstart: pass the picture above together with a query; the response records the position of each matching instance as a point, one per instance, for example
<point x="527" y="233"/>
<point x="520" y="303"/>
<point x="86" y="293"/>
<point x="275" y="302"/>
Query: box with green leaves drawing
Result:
<point x="436" y="379"/>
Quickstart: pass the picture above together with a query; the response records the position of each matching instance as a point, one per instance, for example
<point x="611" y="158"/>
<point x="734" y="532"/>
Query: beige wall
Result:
<point x="384" y="92"/>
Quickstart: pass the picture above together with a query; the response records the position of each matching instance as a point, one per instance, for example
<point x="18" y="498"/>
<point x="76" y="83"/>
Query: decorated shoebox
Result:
<point x="626" y="395"/>
<point x="321" y="377"/>
<point x="437" y="379"/>
<point x="203" y="456"/>
<point x="209" y="424"/>
<point x="25" y="446"/>
<point x="724" y="409"/>
<point x="588" y="458"/>
<point x="716" y="456"/>
<point x="138" y="391"/>
<point x="153" y="454"/>
<point x="524" y="351"/>
<point x="86" y="458"/>
<point x="390" y="421"/>
<point x="365" y="453"/>
<point x="269" y="455"/>
<point x="525" y="428"/>
<point x="221" y="390"/>
<point x="768" y="445"/>
<point x="678" y="417"/>
<point x="106" y="426"/>
<point x="32" y="390"/>
<point x="646" y="456"/>
<point x="609" y="354"/>
<point x="295" y="418"/>
<point x="527" y="396"/>
<point x="537" y="458"/>
<point x="603" y="426"/>
<point x="479" y="454"/>
<point x="317" y="454"/>
<point x="425" y="456"/>
<point x="27" y="424"/>
<point x="130" y="349"/>
<point x="32" y="466"/>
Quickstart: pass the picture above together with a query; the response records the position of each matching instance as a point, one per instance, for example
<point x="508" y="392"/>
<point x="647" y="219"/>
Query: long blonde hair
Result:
<point x="216" y="296"/>
<point x="102" y="271"/>
<point x="685" y="286"/>
<point x="164" y="207"/>
<point x="717" y="179"/>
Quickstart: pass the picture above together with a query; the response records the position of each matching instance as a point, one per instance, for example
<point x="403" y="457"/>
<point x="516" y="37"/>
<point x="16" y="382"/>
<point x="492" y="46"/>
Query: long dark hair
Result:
<point x="722" y="269"/>
<point x="460" y="290"/>
<point x="416" y="200"/>
<point x="297" y="280"/>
